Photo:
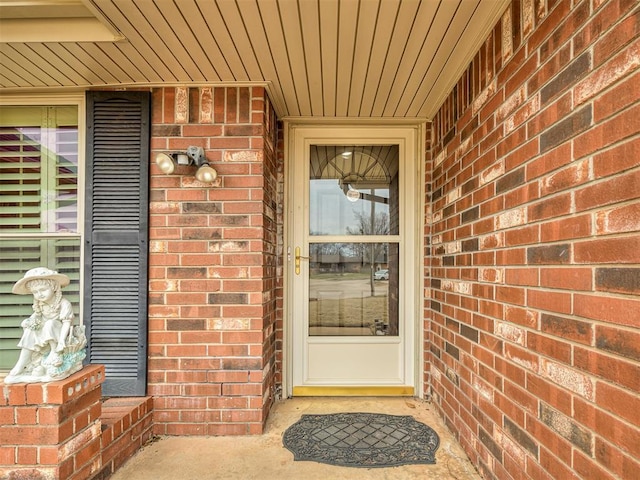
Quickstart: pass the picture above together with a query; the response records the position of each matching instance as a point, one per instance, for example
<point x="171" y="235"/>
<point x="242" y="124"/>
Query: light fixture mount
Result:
<point x="167" y="162"/>
<point x="197" y="156"/>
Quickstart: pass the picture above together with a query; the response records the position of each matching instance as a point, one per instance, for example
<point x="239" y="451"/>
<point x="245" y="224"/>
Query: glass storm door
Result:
<point x="352" y="316"/>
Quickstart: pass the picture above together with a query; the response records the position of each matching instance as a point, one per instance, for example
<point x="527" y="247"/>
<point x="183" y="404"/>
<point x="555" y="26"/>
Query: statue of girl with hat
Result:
<point x="50" y="347"/>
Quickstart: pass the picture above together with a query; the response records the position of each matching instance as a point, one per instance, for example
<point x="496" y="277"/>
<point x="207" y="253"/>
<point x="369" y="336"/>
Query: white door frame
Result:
<point x="412" y="134"/>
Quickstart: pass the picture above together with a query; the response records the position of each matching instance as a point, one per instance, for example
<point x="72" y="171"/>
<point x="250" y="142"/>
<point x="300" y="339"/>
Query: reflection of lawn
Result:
<point x="340" y="276"/>
<point x="348" y="312"/>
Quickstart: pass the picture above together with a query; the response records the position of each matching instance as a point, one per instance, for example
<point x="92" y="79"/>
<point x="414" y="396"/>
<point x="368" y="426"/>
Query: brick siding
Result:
<point x="52" y="430"/>
<point x="213" y="291"/>
<point x="65" y="430"/>
<point x="532" y="311"/>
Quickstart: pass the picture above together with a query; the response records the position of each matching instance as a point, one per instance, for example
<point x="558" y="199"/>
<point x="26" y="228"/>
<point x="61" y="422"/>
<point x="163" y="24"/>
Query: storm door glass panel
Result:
<point x="354" y="276"/>
<point x="38" y="208"/>
<point x="350" y="293"/>
<point x="353" y="190"/>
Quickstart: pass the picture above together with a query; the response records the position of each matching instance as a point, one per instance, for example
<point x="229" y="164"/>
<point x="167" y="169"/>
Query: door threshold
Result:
<point x="354" y="391"/>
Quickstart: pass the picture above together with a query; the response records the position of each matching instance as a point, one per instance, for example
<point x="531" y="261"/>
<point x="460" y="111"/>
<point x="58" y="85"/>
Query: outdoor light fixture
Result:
<point x="167" y="162"/>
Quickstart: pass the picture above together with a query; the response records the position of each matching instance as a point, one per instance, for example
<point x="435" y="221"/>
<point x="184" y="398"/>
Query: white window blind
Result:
<point x="38" y="208"/>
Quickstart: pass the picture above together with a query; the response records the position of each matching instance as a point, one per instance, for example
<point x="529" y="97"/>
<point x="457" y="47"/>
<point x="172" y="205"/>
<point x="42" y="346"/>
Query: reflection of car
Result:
<point x="381" y="275"/>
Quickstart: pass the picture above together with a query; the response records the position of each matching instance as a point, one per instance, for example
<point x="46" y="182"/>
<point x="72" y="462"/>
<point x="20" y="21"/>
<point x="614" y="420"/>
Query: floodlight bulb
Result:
<point x="165" y="163"/>
<point x="206" y="174"/>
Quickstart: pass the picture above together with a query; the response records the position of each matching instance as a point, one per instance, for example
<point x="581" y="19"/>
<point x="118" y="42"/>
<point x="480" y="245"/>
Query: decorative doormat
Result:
<point x="368" y="440"/>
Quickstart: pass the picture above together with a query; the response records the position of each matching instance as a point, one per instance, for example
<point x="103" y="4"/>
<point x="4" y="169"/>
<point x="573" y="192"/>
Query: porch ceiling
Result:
<point x="317" y="58"/>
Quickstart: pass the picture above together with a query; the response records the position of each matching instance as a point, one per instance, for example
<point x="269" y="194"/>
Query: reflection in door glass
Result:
<point x="353" y="289"/>
<point x="353" y="190"/>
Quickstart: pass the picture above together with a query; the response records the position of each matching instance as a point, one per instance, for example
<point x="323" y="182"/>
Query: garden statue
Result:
<point x="52" y="348"/>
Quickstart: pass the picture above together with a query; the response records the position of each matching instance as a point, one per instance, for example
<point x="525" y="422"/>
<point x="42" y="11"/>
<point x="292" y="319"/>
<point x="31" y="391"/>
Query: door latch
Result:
<point x="297" y="260"/>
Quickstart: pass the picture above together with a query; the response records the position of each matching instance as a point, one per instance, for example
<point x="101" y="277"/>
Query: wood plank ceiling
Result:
<point x="317" y="58"/>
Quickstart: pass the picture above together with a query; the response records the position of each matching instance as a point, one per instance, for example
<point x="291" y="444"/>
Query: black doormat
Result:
<point x="366" y="440"/>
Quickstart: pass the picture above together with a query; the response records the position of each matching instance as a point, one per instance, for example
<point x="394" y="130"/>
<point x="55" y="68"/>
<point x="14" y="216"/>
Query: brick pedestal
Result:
<point x="52" y="430"/>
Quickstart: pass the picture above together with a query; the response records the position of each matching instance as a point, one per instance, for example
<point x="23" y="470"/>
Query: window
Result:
<point x="95" y="230"/>
<point x="39" y="207"/>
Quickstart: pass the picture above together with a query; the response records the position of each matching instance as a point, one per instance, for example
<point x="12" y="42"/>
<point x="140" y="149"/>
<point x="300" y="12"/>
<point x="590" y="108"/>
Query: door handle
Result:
<point x="299" y="257"/>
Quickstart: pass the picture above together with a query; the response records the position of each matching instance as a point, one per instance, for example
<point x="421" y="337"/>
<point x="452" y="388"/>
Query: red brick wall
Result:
<point x="427" y="343"/>
<point x="213" y="290"/>
<point x="534" y="341"/>
<point x="280" y="253"/>
<point x="65" y="429"/>
<point x="52" y="430"/>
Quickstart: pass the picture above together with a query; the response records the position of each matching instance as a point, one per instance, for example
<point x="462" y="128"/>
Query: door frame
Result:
<point x="416" y="211"/>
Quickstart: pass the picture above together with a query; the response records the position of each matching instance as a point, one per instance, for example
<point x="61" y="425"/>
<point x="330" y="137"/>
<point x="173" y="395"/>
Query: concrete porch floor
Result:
<point x="263" y="457"/>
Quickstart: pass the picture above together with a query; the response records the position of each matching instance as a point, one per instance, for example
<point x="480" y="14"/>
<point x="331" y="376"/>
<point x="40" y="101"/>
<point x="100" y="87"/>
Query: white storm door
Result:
<point x="353" y="260"/>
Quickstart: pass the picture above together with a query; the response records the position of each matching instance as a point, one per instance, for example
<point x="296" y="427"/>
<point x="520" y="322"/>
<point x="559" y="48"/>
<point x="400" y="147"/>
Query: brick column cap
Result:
<point x="56" y="393"/>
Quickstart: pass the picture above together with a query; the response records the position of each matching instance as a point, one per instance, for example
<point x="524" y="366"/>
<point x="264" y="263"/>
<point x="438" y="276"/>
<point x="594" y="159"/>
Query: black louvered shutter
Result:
<point x="116" y="238"/>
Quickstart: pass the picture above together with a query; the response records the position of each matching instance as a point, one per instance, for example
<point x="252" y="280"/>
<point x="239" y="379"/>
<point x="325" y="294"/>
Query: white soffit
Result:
<point x="317" y="58"/>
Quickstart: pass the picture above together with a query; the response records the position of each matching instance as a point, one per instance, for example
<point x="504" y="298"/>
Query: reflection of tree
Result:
<point x="374" y="224"/>
<point x="364" y="224"/>
<point x="318" y="249"/>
